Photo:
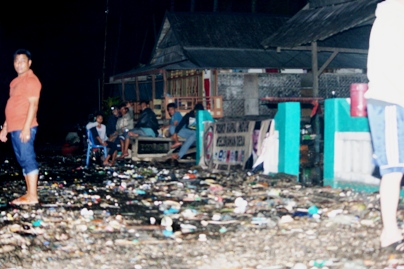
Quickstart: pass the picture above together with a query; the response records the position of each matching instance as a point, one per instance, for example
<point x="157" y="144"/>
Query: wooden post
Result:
<point x="105" y="53"/>
<point x="192" y="5"/>
<point x="123" y="90"/>
<point x="165" y="83"/>
<point x="314" y="64"/>
<point x="215" y="93"/>
<point x="253" y="6"/>
<point x="153" y="78"/>
<point x="137" y="88"/>
<point x="314" y="68"/>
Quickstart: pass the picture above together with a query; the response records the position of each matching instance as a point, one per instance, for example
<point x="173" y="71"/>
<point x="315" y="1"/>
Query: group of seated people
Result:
<point x="120" y="128"/>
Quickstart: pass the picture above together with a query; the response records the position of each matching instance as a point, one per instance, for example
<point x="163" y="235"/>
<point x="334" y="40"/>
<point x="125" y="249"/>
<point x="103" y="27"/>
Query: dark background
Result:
<point x="67" y="42"/>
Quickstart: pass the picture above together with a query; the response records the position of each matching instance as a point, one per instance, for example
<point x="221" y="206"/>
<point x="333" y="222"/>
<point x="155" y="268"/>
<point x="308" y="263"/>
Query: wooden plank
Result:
<point x="152" y="139"/>
<point x="329" y="49"/>
<point x="137" y="141"/>
<point x="329" y="60"/>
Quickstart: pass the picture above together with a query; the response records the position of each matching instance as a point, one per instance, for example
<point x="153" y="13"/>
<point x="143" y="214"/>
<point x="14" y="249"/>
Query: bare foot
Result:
<point x="176" y="145"/>
<point x="133" y="134"/>
<point x="390" y="237"/>
<point x="123" y="156"/>
<point x="25" y="200"/>
<point x="106" y="163"/>
<point x="175" y="156"/>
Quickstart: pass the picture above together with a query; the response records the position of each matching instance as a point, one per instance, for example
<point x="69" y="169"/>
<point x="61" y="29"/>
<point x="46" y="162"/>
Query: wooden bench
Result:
<point x="147" y="148"/>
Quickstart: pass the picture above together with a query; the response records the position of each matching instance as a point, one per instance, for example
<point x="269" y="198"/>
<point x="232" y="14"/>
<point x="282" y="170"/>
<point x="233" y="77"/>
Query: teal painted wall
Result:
<point x="287" y="122"/>
<point x="337" y="118"/>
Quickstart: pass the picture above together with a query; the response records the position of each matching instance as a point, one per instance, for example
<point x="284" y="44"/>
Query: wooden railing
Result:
<point x="214" y="104"/>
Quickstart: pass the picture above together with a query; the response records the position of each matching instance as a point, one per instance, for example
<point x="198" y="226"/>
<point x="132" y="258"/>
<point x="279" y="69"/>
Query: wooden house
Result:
<point x="229" y="61"/>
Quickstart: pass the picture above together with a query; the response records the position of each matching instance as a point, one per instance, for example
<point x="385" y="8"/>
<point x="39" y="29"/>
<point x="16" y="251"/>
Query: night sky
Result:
<point x="66" y="39"/>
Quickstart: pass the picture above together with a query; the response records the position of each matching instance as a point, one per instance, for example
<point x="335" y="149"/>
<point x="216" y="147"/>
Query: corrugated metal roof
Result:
<point x="140" y="71"/>
<point x="240" y="59"/>
<point x="321" y="3"/>
<point x="190" y="37"/>
<point x="218" y="30"/>
<point x="354" y="38"/>
<point x="217" y="40"/>
<point x="233" y="41"/>
<point x="323" y="21"/>
<point x="215" y="58"/>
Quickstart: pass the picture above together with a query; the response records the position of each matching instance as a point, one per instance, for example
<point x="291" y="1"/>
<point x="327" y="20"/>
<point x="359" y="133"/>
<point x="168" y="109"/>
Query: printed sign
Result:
<point x="227" y="145"/>
<point x="208" y="144"/>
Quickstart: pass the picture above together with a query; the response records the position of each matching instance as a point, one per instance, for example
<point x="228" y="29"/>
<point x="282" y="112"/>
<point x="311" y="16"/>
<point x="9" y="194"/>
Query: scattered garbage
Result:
<point x="139" y="215"/>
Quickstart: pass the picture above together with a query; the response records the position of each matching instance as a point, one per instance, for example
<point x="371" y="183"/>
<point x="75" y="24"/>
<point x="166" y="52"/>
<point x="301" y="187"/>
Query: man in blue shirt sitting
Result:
<point x="186" y="129"/>
<point x="176" y="117"/>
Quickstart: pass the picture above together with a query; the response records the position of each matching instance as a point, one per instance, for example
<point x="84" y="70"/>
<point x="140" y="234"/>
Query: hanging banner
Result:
<point x="227" y="145"/>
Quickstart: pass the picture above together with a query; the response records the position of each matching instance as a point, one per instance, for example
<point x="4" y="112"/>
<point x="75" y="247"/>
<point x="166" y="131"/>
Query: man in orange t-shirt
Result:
<point x="21" y="123"/>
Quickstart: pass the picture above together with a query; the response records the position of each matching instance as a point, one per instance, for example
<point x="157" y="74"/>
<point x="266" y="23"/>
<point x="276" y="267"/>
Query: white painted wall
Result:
<point x="353" y="157"/>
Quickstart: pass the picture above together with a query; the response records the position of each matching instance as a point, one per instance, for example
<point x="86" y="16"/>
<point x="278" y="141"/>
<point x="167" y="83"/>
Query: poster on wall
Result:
<point x="207" y="154"/>
<point x="227" y="145"/>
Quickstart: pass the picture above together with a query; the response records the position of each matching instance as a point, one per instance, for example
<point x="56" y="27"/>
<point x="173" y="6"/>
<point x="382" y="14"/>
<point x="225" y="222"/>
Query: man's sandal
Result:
<point x="396" y="247"/>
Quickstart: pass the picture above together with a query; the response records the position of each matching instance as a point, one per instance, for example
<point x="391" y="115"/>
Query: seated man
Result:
<point x="123" y="125"/>
<point x="129" y="105"/>
<point x="187" y="130"/>
<point x="112" y="121"/>
<point x="98" y="131"/>
<point x="147" y="125"/>
<point x="174" y="120"/>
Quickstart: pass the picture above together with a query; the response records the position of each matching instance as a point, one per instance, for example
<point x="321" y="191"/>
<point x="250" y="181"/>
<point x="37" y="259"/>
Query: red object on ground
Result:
<point x="68" y="150"/>
<point x="358" y="101"/>
<point x="191" y="176"/>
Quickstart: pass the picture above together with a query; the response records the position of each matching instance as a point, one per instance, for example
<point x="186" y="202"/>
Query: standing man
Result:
<point x="21" y="122"/>
<point x="385" y="104"/>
